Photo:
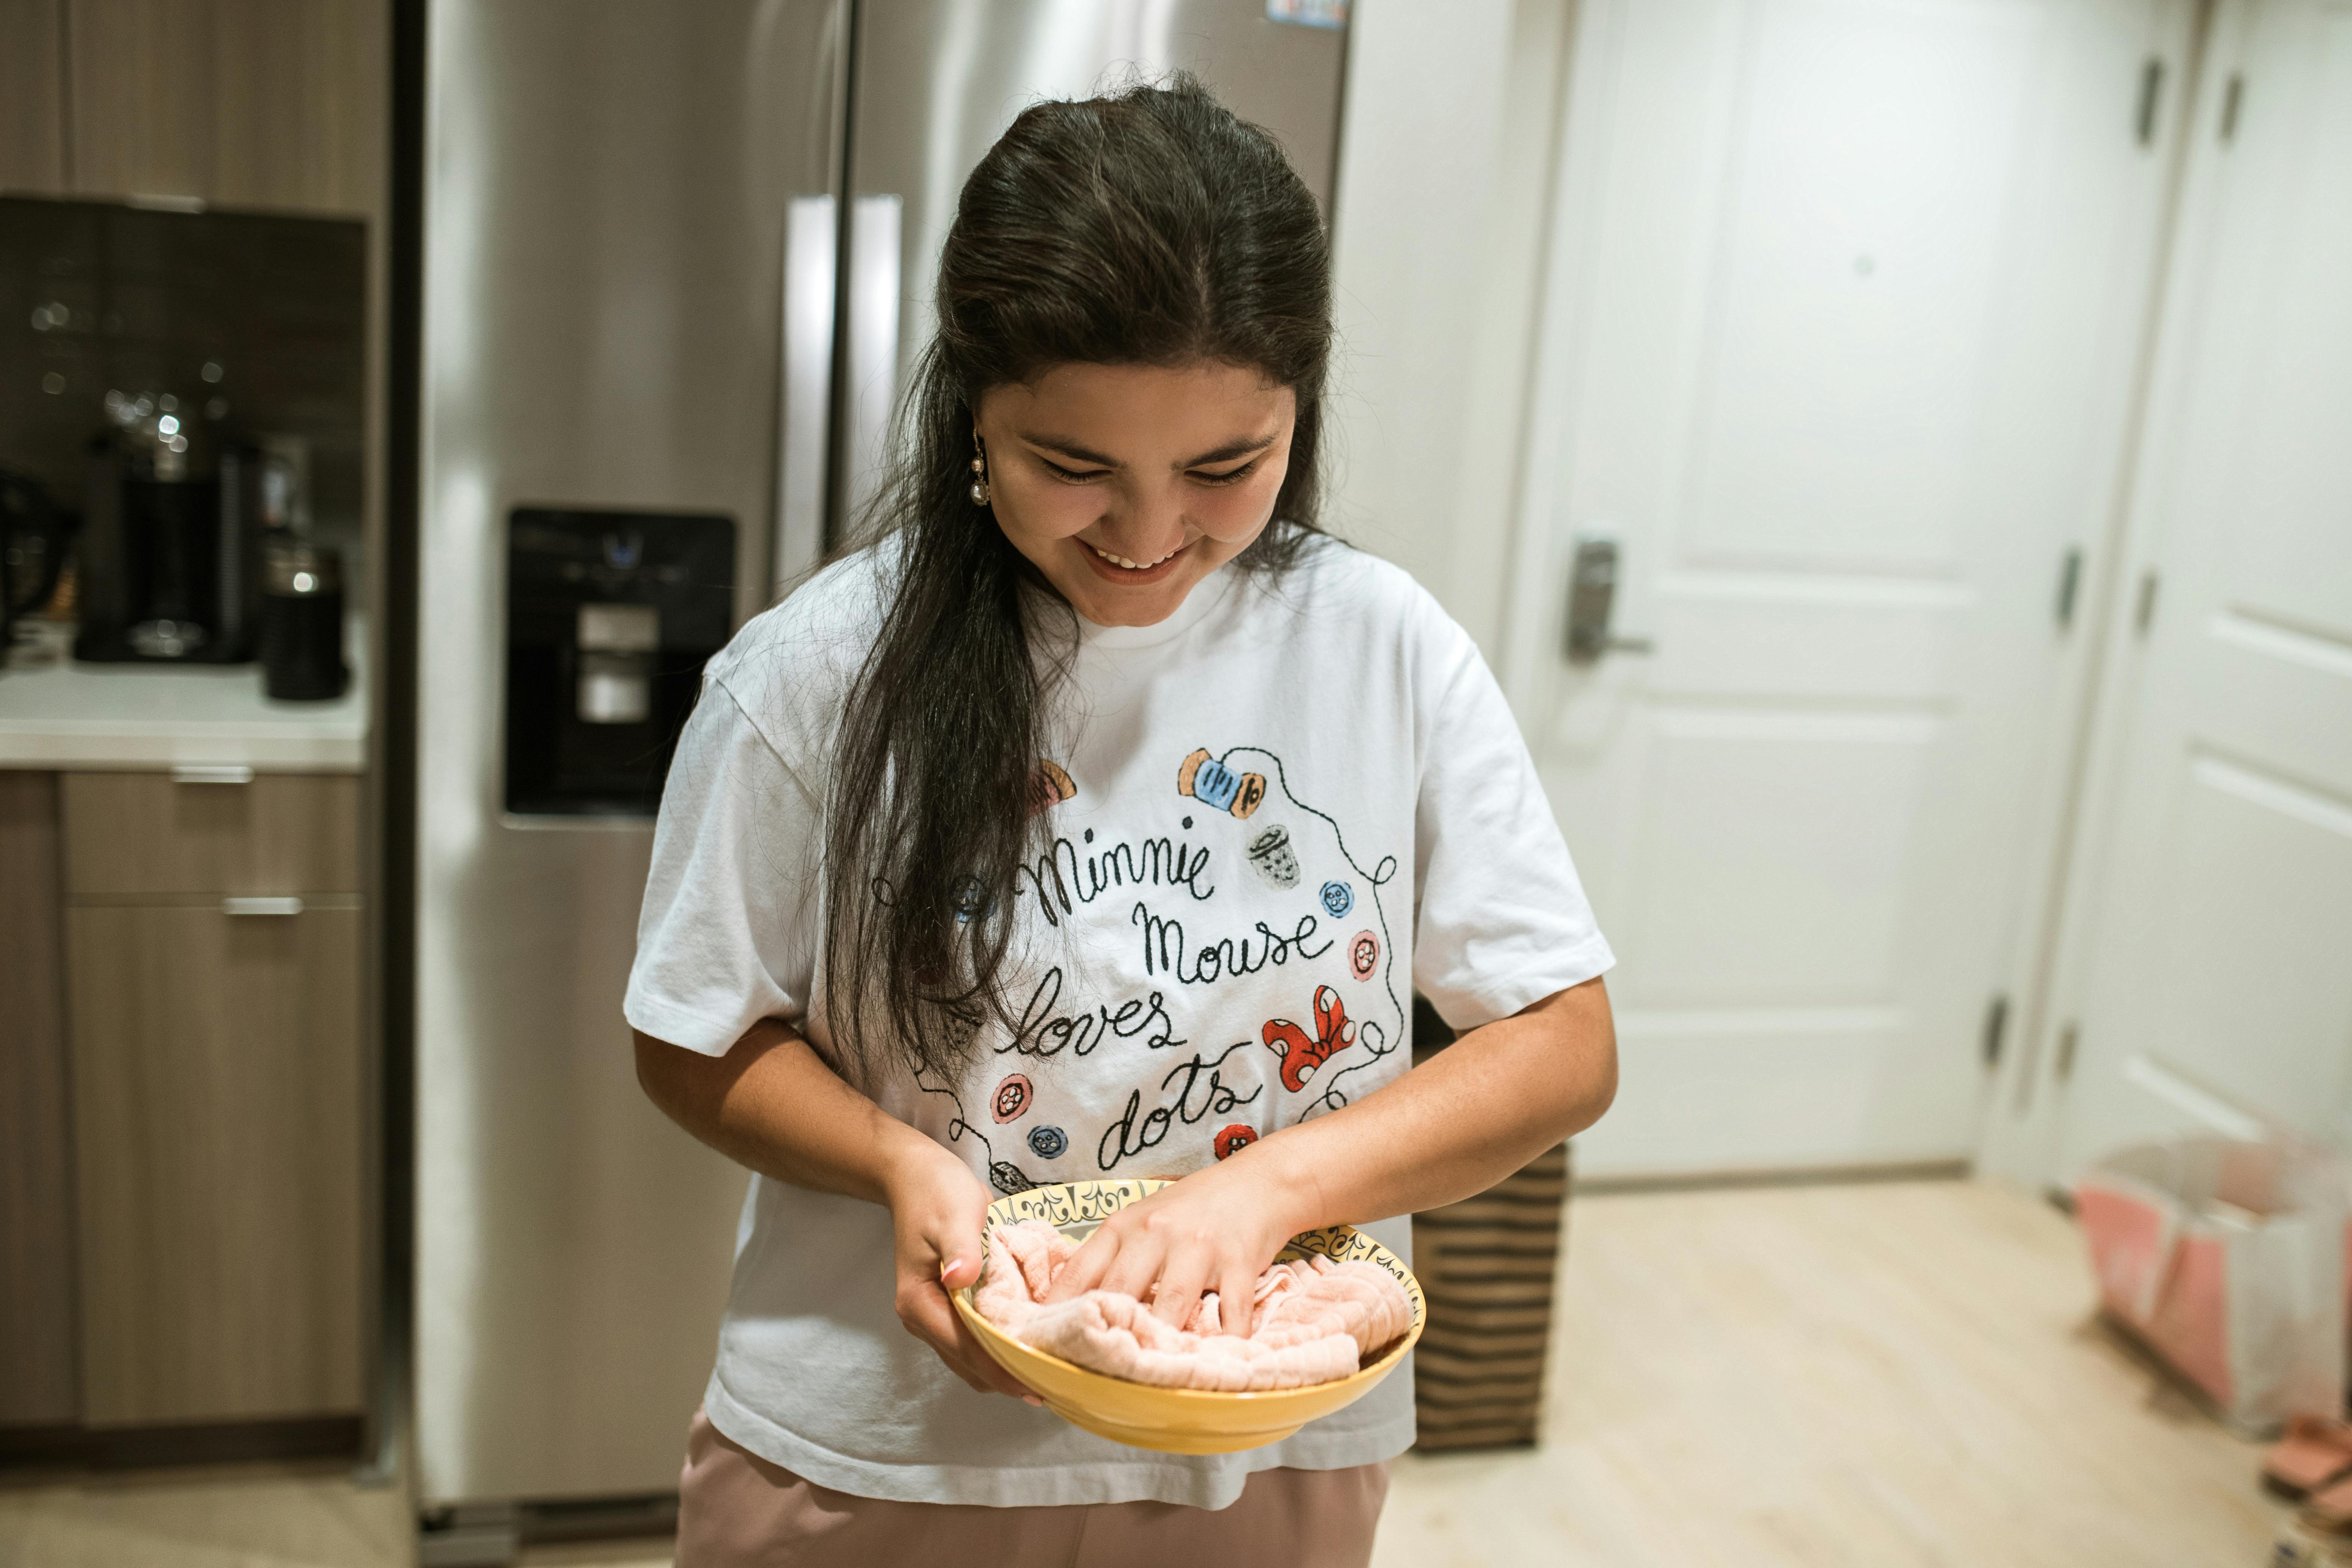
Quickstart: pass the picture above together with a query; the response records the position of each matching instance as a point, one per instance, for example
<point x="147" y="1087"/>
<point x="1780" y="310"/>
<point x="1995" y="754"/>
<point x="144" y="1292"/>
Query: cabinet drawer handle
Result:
<point x="261" y="906"/>
<point x="211" y="773"/>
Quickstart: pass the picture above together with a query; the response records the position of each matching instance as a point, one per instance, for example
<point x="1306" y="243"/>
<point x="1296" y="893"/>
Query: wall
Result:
<point x="1451" y="119"/>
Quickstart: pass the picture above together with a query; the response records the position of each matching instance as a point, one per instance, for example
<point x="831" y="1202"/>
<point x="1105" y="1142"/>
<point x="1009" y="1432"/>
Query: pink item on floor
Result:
<point x="2230" y="1259"/>
<point x="1312" y="1320"/>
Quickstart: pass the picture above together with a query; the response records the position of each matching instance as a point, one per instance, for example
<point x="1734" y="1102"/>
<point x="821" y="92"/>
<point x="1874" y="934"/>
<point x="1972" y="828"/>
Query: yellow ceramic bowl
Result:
<point x="1178" y="1420"/>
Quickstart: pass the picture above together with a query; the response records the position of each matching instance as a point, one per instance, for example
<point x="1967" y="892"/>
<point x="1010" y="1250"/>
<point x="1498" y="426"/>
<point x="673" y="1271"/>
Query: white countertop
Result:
<point x="60" y="714"/>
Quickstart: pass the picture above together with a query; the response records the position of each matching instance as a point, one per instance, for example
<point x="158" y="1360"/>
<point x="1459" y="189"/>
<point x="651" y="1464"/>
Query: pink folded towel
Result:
<point x="1312" y="1320"/>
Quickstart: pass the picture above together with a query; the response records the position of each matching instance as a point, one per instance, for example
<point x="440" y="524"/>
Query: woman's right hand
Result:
<point x="938" y="1215"/>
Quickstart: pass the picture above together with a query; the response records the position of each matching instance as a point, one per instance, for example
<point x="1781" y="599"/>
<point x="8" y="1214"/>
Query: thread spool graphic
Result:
<point x="1049" y="785"/>
<point x="1209" y="780"/>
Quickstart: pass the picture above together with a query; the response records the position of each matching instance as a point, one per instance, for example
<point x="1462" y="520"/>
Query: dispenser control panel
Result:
<point x="609" y="618"/>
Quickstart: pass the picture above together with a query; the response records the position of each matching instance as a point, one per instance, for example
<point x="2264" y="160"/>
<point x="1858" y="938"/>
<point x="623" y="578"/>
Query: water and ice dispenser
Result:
<point x="609" y="618"/>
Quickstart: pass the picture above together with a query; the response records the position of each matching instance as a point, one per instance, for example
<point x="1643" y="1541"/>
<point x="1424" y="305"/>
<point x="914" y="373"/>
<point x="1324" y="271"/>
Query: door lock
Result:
<point x="1592" y="598"/>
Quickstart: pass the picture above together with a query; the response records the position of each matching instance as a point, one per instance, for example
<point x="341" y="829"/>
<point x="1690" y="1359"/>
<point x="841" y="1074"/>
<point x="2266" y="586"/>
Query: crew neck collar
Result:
<point x="1206" y="594"/>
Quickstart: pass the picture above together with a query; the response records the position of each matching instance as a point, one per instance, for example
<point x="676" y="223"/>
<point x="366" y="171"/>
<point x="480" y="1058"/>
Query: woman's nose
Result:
<point x="1151" y="520"/>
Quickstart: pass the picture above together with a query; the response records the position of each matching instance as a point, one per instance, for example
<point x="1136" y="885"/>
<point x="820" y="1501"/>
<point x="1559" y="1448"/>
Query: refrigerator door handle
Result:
<point x="873" y="356"/>
<point x="805" y="394"/>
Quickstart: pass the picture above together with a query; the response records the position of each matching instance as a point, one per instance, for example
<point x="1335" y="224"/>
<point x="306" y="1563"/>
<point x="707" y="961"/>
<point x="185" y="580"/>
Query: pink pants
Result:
<point x="738" y="1511"/>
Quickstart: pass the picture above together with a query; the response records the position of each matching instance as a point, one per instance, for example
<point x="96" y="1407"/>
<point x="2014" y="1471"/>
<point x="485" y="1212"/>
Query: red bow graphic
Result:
<point x="1302" y="1055"/>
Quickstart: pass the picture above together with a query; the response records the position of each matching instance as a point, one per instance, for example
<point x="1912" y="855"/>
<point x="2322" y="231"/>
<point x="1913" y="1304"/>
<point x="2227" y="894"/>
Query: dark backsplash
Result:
<point x="99" y="296"/>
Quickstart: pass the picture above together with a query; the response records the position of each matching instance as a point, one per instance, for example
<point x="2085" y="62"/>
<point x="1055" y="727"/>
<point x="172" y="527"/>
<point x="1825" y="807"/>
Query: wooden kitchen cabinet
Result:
<point x="219" y="1133"/>
<point x="251" y="103"/>
<point x="39" y="1354"/>
<point x="134" y="835"/>
<point x="32" y="96"/>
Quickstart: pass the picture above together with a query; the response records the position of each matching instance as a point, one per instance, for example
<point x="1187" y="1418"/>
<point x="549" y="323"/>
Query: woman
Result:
<point x="1098" y="820"/>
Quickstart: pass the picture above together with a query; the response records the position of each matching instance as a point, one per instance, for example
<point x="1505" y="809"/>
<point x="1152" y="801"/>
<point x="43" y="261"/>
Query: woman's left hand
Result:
<point x="1216" y="1229"/>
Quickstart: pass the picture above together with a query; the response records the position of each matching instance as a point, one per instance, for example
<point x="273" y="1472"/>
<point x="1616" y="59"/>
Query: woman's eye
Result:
<point x="1073" y="476"/>
<point x="1231" y="476"/>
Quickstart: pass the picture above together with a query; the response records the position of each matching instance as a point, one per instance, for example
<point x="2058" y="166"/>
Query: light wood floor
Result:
<point x="1880" y="1375"/>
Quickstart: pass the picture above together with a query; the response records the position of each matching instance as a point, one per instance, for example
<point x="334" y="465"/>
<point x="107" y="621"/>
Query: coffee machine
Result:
<point x="170" y="540"/>
<point x="609" y="618"/>
<point x="220" y="359"/>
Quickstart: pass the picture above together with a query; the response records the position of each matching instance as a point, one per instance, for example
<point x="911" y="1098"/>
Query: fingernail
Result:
<point x="1032" y="1399"/>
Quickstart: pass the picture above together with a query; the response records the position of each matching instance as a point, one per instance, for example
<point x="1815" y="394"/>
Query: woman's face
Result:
<point x="1127" y="484"/>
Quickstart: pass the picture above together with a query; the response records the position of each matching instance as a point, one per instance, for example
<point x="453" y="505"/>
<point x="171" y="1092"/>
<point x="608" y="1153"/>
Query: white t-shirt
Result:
<point x="1294" y="801"/>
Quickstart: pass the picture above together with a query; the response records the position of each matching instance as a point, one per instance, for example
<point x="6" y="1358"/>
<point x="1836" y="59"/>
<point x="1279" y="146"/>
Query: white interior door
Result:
<point x="1845" y="304"/>
<point x="2218" y="954"/>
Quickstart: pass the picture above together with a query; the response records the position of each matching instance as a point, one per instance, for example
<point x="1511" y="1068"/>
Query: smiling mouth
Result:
<point x="1122" y="562"/>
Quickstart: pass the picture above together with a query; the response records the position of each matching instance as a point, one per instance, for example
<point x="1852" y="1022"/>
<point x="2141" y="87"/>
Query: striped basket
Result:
<point x="1486" y="1265"/>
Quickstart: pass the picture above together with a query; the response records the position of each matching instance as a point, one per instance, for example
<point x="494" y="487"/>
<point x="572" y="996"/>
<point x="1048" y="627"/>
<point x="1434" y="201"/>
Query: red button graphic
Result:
<point x="1011" y="1098"/>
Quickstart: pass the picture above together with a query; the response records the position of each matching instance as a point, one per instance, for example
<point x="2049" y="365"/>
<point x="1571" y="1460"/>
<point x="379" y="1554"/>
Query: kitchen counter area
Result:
<point x="183" y="898"/>
<point x="192" y="265"/>
<point x="56" y="713"/>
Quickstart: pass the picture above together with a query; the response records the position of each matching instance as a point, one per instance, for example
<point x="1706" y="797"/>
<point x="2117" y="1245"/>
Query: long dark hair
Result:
<point x="1146" y="227"/>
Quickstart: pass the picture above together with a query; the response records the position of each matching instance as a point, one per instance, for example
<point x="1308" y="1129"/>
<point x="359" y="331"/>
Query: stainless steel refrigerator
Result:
<point x="673" y="262"/>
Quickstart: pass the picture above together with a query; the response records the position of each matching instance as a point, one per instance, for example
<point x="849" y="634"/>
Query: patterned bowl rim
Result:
<point x="1061" y="1203"/>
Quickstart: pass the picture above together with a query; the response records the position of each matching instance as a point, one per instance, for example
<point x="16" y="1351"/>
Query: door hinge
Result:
<point x="2144" y="615"/>
<point x="2234" y="98"/>
<point x="2064" y="1066"/>
<point x="2151" y="90"/>
<point x="1996" y="1024"/>
<point x="2069" y="580"/>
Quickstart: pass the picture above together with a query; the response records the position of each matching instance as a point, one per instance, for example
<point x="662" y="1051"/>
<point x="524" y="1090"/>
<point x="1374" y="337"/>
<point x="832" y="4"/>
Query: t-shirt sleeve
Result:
<point x="1501" y="922"/>
<point x="726" y="936"/>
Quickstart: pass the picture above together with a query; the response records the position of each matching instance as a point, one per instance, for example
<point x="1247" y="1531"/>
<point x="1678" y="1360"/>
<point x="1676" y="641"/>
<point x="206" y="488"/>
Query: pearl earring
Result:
<point x="979" y="473"/>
